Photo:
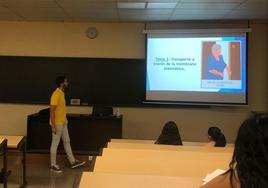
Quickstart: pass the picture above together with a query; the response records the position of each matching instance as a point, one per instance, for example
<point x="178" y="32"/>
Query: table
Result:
<point x="110" y="180"/>
<point x="4" y="172"/>
<point x="18" y="143"/>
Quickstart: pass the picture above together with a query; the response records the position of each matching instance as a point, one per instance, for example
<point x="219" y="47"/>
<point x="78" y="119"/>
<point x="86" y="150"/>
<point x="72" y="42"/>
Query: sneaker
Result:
<point x="56" y="168"/>
<point x="78" y="163"/>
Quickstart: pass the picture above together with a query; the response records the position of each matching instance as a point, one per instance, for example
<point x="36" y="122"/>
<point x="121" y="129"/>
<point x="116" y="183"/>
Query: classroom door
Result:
<point x="235" y="60"/>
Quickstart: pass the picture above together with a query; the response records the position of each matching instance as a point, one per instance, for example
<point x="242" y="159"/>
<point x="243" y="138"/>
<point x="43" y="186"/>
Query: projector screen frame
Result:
<point x="168" y="103"/>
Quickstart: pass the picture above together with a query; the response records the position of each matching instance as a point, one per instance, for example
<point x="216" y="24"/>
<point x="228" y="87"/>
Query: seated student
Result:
<point x="170" y="135"/>
<point x="216" y="137"/>
<point x="249" y="165"/>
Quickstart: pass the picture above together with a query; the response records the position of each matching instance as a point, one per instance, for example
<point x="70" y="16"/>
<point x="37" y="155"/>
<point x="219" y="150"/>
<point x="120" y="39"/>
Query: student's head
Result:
<point x="170" y="134"/>
<point x="216" y="50"/>
<point x="250" y="157"/>
<point x="62" y="82"/>
<point x="215" y="134"/>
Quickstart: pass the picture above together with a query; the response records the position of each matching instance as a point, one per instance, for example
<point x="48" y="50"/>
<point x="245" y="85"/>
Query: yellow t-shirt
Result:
<point x="58" y="99"/>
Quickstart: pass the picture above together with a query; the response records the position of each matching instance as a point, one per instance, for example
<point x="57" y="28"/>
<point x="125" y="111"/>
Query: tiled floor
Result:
<point x="39" y="174"/>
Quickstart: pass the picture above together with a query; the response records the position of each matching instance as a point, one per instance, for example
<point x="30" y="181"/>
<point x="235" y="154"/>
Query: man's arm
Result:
<point x="216" y="72"/>
<point x="52" y="118"/>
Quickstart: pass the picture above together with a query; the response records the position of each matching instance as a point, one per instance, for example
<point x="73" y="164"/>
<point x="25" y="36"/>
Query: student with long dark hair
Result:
<point x="216" y="137"/>
<point x="249" y="165"/>
<point x="170" y="135"/>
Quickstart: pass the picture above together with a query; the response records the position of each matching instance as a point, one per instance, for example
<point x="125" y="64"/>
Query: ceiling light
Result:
<point x="161" y="5"/>
<point x="130" y="5"/>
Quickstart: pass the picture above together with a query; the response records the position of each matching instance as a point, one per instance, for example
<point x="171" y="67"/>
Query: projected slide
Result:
<point x="197" y="69"/>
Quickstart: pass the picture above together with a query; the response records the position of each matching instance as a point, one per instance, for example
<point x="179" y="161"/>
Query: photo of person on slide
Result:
<point x="216" y="65"/>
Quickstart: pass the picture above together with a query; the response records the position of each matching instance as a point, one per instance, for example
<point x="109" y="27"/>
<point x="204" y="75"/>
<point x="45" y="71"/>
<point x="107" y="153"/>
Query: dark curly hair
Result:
<point x="170" y="135"/>
<point x="216" y="134"/>
<point x="60" y="80"/>
<point x="250" y="157"/>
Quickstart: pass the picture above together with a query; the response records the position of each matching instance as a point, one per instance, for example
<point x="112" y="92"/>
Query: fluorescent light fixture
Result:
<point x="197" y="31"/>
<point x="130" y="5"/>
<point x="161" y="5"/>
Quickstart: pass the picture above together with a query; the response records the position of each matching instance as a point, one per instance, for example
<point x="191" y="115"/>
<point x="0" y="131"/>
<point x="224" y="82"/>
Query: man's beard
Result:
<point x="66" y="88"/>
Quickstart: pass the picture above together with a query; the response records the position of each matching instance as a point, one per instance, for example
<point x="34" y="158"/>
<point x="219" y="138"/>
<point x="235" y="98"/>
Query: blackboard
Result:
<point x="102" y="81"/>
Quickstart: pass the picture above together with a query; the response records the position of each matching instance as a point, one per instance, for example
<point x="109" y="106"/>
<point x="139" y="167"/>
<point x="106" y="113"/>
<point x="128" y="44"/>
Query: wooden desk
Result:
<point x="18" y="143"/>
<point x="88" y="133"/>
<point x="133" y="141"/>
<point x="153" y="141"/>
<point x="178" y="154"/>
<point x="109" y="180"/>
<point x="4" y="172"/>
<point x="122" y="145"/>
<point x="159" y="162"/>
<point x="12" y="141"/>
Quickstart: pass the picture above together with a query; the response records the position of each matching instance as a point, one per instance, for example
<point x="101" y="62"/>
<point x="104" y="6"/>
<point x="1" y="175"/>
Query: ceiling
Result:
<point x="110" y="11"/>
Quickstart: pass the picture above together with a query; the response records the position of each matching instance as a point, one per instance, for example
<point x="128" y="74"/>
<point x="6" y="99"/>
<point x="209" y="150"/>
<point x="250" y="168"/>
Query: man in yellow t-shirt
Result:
<point x="58" y="122"/>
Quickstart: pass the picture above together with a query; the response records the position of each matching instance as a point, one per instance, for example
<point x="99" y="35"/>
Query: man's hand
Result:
<point x="215" y="72"/>
<point x="53" y="128"/>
